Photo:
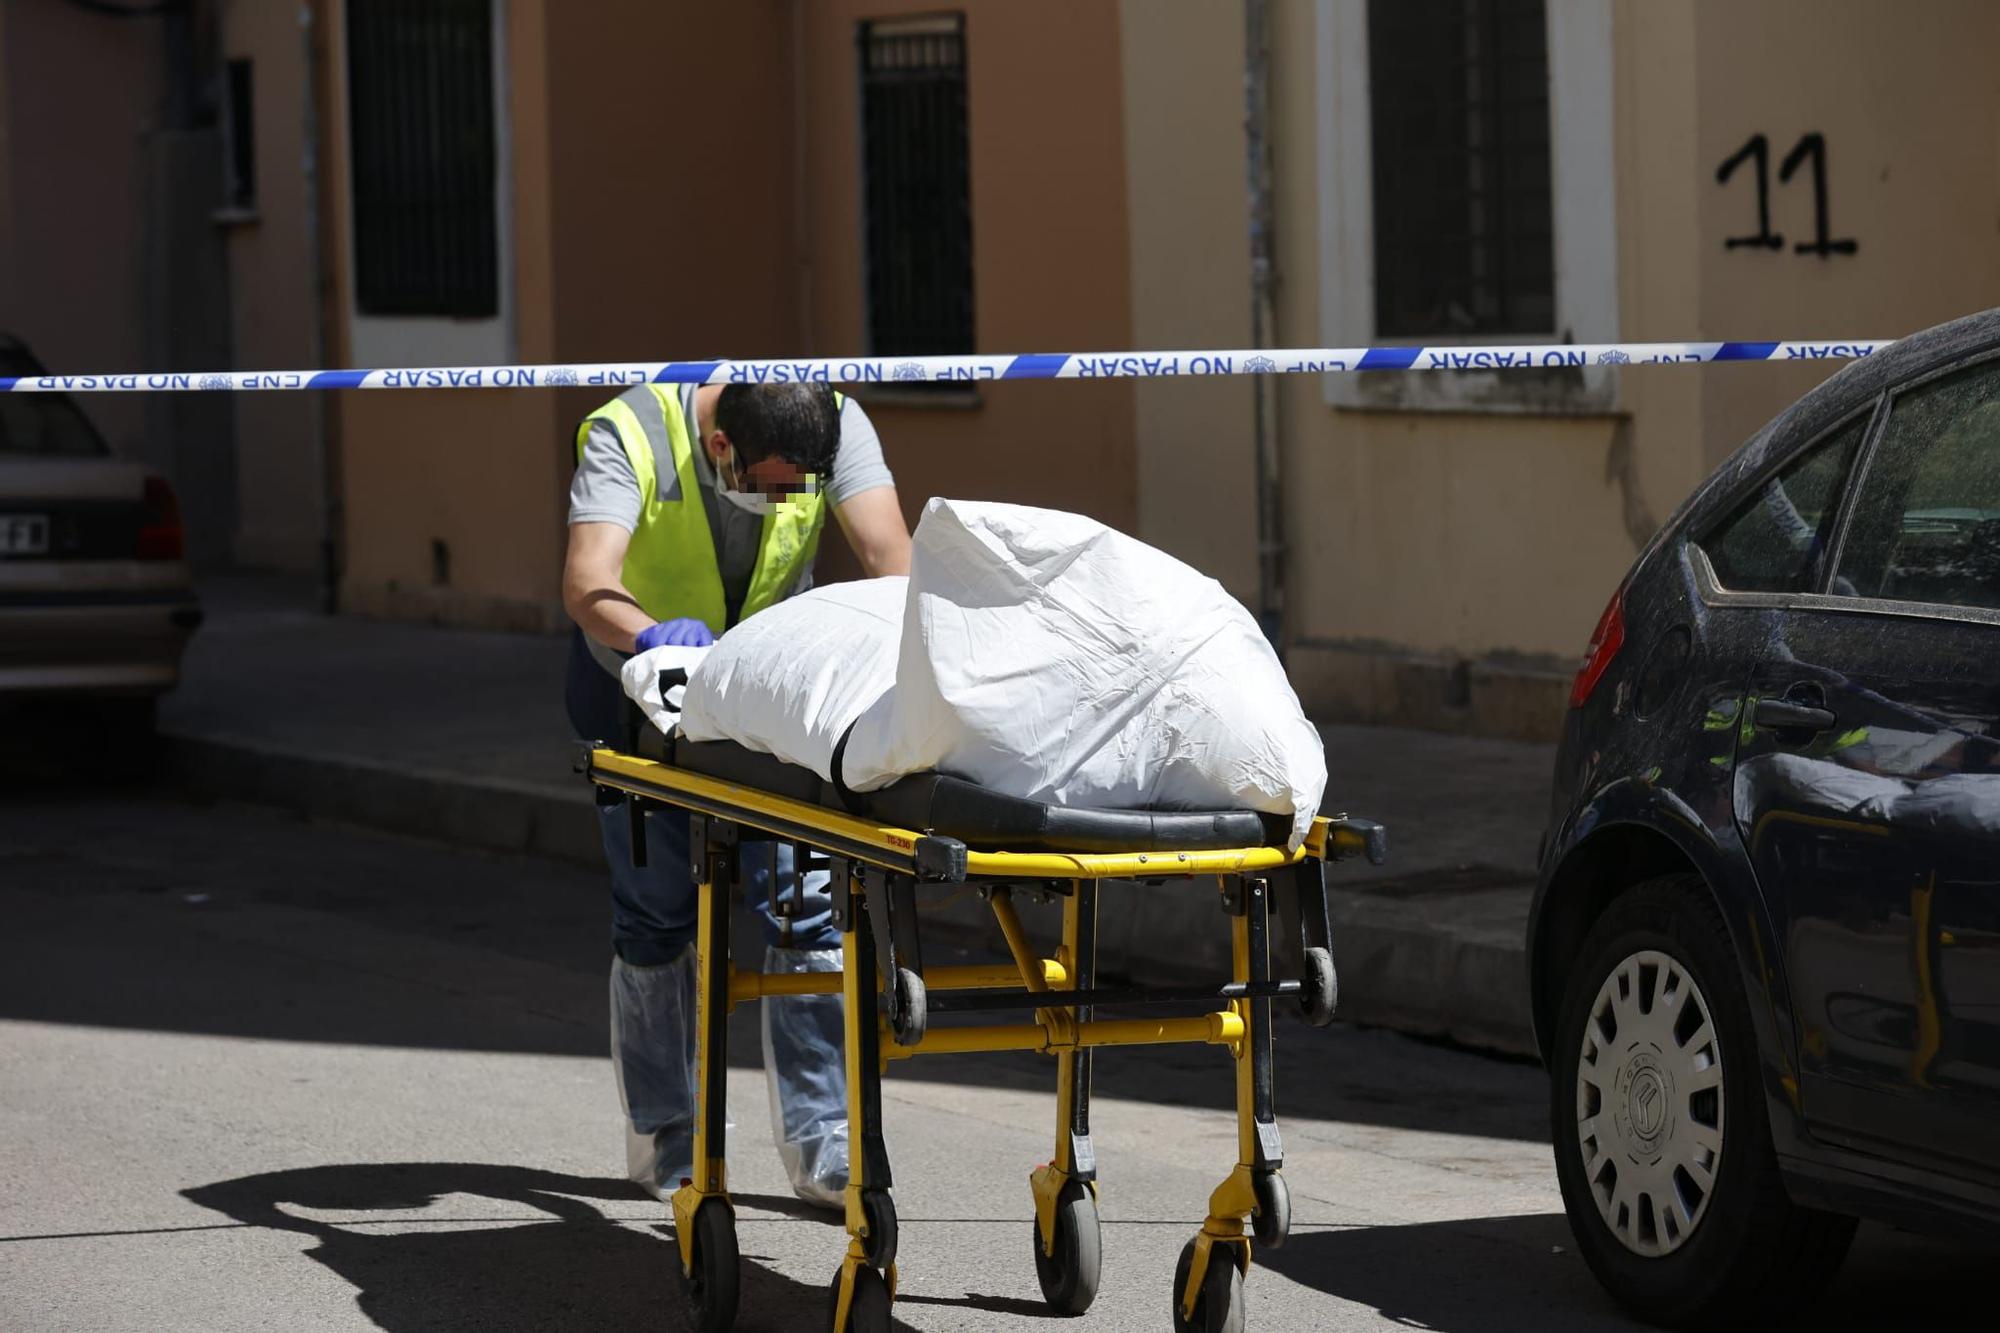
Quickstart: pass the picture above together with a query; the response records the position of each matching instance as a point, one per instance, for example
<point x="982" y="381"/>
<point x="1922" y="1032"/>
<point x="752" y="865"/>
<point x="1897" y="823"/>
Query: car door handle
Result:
<point x="1788" y="715"/>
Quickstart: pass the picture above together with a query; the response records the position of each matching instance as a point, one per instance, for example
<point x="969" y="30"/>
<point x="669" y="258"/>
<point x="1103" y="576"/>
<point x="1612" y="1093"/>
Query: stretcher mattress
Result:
<point x="983" y="820"/>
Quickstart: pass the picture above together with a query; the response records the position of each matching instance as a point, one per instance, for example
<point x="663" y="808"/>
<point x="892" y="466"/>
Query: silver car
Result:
<point x="96" y="600"/>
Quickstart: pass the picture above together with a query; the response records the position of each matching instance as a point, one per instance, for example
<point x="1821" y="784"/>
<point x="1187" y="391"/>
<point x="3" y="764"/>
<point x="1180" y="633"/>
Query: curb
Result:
<point x="1449" y="966"/>
<point x="494" y="815"/>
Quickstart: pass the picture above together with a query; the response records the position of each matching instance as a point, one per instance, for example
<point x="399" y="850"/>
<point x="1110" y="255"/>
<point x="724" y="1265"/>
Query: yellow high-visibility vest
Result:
<point x="671" y="566"/>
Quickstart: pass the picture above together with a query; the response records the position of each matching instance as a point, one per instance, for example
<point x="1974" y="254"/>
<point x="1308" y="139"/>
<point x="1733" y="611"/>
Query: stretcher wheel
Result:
<point x="1069" y="1276"/>
<point x="1322" y="988"/>
<point x="1272" y="1221"/>
<point x="1219" y="1308"/>
<point x="878" y="1208"/>
<point x="712" y="1288"/>
<point x="868" y="1311"/>
<point x="912" y="1008"/>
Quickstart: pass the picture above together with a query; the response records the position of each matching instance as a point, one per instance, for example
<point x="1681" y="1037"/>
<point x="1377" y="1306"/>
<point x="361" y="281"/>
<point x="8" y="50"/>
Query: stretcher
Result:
<point x="884" y="850"/>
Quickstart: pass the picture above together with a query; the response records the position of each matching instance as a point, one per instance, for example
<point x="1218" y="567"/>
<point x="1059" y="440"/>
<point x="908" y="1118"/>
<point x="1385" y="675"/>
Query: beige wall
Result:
<point x="476" y="471"/>
<point x="1413" y="534"/>
<point x="671" y="184"/>
<point x="671" y="193"/>
<point x="1435" y="557"/>
<point x="279" y="471"/>
<point x="75" y="196"/>
<point x="1424" y="541"/>
<point x="1046" y="128"/>
<point x="673" y="215"/>
<point x="1906" y="99"/>
<point x="1660" y="456"/>
<point x="1190" y="246"/>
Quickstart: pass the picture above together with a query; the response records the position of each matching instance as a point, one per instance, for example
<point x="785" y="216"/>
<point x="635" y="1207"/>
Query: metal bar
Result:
<point x="1031" y="975"/>
<point x="1127" y="865"/>
<point x="1080" y="938"/>
<point x="1263" y="1077"/>
<point x="711" y="1028"/>
<point x="1110" y="995"/>
<point x="895" y="848"/>
<point x="904" y="933"/>
<point x="745" y="986"/>
<point x="1239" y="957"/>
<point x="869" y="1168"/>
<point x="828" y="829"/>
<point x="1218" y="1029"/>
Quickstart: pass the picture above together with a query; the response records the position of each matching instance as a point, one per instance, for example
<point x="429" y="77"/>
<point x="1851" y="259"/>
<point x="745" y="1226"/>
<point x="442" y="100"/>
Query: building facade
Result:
<point x="156" y="213"/>
<point x="472" y="182"/>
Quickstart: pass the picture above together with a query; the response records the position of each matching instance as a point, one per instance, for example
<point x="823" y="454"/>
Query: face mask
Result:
<point x="753" y="503"/>
<point x="728" y="483"/>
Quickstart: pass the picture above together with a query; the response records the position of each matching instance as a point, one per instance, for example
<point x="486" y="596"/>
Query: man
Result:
<point x="691" y="509"/>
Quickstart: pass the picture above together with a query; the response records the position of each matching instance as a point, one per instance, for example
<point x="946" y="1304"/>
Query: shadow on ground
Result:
<point x="140" y="910"/>
<point x="1452" y="1277"/>
<point x="441" y="1258"/>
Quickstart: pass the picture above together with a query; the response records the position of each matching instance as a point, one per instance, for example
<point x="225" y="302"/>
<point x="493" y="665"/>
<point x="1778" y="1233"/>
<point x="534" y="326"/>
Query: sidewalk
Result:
<point x="460" y="736"/>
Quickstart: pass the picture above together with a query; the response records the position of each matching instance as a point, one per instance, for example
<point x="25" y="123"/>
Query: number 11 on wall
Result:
<point x="1811" y="146"/>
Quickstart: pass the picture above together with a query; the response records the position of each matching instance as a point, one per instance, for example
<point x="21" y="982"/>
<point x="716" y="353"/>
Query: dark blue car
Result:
<point x="1765" y="948"/>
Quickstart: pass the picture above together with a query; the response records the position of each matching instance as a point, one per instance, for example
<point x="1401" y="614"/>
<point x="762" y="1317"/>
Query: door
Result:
<point x="1867" y="789"/>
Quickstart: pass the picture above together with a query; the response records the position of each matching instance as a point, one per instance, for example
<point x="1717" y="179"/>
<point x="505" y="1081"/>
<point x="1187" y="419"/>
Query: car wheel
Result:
<point x="1663" y="1148"/>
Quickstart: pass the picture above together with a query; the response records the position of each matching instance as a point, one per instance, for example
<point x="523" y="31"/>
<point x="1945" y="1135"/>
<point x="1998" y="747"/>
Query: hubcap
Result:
<point x="1649" y="1103"/>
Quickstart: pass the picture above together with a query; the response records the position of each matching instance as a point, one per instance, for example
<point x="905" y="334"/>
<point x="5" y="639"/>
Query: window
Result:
<point x="1927" y="526"/>
<point x="916" y="188"/>
<point x="420" y="94"/>
<point x="1486" y="128"/>
<point x="1459" y="109"/>
<point x="45" y="425"/>
<point x="1774" y="541"/>
<point x="239" y="163"/>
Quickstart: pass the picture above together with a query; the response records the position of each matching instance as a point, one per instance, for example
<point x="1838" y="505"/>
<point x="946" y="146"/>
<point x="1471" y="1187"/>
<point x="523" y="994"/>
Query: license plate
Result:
<point x="24" y="534"/>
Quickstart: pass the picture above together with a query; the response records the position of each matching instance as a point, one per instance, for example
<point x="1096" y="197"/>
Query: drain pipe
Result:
<point x="315" y="39"/>
<point x="1263" y="320"/>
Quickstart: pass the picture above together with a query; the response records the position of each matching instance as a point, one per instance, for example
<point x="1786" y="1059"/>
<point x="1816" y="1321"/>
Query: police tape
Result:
<point x="892" y="370"/>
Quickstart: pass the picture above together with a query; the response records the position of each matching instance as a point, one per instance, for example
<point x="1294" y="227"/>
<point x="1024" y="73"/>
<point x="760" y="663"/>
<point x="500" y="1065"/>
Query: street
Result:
<point x="261" y="1073"/>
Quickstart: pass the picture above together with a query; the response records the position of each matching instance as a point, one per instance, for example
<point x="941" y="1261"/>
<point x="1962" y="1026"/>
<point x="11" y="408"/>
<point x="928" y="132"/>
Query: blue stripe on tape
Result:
<point x="1389" y="358"/>
<point x="1035" y="366"/>
<point x="686" y="372"/>
<point x="337" y="379"/>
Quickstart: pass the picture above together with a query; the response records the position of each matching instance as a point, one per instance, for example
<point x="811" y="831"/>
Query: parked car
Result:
<point x="96" y="601"/>
<point x="1765" y="946"/>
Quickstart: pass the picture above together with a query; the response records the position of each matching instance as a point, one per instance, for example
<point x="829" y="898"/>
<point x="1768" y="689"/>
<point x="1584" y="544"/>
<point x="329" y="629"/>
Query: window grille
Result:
<point x="917" y="192"/>
<point x="1459" y="102"/>
<point x="420" y="98"/>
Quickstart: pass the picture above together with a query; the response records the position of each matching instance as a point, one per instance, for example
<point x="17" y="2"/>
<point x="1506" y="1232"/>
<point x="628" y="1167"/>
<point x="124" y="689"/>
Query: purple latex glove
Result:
<point x="686" y="632"/>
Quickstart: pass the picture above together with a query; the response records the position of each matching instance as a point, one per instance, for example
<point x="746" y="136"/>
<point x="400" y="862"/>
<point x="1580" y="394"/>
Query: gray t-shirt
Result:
<point x="606" y="490"/>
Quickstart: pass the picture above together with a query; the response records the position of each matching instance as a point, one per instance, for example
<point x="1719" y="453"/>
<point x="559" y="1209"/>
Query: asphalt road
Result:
<point x="256" y="1073"/>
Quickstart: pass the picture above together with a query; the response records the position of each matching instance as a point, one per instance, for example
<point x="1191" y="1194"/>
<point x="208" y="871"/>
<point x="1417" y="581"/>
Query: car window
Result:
<point x="1927" y="521"/>
<point x="46" y="425"/>
<point x="1773" y="541"/>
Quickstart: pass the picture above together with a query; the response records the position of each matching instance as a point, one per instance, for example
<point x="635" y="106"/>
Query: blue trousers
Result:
<point x="653" y="917"/>
<point x="653" y="908"/>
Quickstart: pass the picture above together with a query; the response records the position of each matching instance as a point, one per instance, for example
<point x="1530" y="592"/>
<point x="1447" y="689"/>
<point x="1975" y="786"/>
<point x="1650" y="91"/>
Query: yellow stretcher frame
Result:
<point x="875" y="869"/>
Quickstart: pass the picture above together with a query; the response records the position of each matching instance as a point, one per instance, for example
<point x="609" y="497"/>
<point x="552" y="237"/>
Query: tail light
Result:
<point x="1605" y="641"/>
<point x="160" y="533"/>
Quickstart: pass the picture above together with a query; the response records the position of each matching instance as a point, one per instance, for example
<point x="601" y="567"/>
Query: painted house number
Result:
<point x="1810" y="147"/>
